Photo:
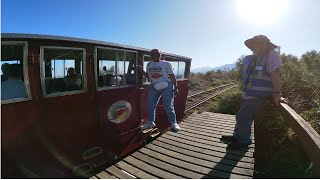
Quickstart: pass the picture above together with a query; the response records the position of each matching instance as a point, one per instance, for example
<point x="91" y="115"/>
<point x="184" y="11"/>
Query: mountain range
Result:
<point x="207" y="68"/>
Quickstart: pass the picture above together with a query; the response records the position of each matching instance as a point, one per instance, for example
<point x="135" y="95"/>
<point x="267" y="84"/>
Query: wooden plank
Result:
<point x="115" y="171"/>
<point x="207" y="142"/>
<point x="308" y="137"/>
<point x="216" y="125"/>
<point x="208" y="134"/>
<point x="136" y="171"/>
<point x="221" y="124"/>
<point x="213" y="116"/>
<point x="211" y="152"/>
<point x="206" y="128"/>
<point x="220" y="116"/>
<point x="210" y="115"/>
<point x="214" y="163"/>
<point x="214" y="148"/>
<point x="213" y="173"/>
<point x="212" y="156"/>
<point x="194" y="152"/>
<point x="210" y="128"/>
<point x="105" y="175"/>
<point x="206" y="113"/>
<point x="151" y="169"/>
<point x="205" y="138"/>
<point x="212" y="119"/>
<point x="159" y="161"/>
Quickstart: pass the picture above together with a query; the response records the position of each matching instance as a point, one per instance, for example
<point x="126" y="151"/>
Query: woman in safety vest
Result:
<point x="261" y="80"/>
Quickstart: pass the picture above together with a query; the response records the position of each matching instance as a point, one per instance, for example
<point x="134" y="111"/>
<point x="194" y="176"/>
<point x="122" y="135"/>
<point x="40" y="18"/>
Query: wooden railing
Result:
<point x="308" y="137"/>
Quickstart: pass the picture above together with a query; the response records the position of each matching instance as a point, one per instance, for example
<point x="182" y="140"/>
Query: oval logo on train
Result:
<point x="119" y="112"/>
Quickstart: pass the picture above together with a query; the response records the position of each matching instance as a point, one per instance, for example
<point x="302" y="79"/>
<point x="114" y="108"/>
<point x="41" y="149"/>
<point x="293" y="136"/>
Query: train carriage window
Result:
<point x="130" y="63"/>
<point x="119" y="69"/>
<point x="14" y="81"/>
<point x="175" y="67"/>
<point x="179" y="67"/>
<point x="62" y="69"/>
<point x="181" y="74"/>
<point x="115" y="67"/>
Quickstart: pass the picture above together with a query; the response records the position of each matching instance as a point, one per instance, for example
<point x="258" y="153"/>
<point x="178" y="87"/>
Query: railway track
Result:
<point x="204" y="97"/>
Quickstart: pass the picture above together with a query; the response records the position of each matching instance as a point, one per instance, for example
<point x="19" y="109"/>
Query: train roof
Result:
<point x="80" y="40"/>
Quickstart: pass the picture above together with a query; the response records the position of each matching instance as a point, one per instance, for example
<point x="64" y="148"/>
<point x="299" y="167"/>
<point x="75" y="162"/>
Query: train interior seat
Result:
<point x="54" y="85"/>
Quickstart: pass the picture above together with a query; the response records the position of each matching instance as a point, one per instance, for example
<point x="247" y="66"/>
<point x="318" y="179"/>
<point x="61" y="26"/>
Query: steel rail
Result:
<point x="208" y="98"/>
<point x="207" y="90"/>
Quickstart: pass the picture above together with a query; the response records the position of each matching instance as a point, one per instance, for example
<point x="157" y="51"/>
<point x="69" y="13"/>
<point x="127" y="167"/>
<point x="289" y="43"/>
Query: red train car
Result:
<point x="51" y="129"/>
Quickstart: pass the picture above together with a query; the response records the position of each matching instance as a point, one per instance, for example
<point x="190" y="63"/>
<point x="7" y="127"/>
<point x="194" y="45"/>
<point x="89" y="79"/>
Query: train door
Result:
<point x="144" y="90"/>
<point x="68" y="119"/>
<point x="19" y="110"/>
<point x="181" y="69"/>
<point x="118" y="99"/>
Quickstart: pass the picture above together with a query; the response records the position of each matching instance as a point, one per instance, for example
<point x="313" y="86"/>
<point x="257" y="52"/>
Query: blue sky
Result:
<point x="211" y="32"/>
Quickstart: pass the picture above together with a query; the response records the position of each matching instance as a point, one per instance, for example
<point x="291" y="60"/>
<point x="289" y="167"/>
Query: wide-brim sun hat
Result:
<point x="260" y="39"/>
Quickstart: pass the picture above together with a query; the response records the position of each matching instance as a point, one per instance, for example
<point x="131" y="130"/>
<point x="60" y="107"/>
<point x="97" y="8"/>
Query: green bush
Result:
<point x="282" y="156"/>
<point x="301" y="85"/>
<point x="229" y="102"/>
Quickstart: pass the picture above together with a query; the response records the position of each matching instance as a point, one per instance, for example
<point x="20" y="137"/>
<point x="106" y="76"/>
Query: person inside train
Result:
<point x="104" y="70"/>
<point x="107" y="77"/>
<point x="4" y="69"/>
<point x="163" y="84"/>
<point x="72" y="81"/>
<point x="13" y="87"/>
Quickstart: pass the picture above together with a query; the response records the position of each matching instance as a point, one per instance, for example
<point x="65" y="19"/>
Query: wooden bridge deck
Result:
<point x="194" y="152"/>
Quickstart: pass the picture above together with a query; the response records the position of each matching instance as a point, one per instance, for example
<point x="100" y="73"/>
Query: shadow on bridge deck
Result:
<point x="194" y="152"/>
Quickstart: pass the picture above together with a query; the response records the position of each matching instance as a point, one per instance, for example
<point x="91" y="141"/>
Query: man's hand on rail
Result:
<point x="278" y="99"/>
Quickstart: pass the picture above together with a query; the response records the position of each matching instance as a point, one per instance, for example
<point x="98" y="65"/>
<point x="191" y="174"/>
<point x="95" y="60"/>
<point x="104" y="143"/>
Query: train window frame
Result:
<point x="25" y="72"/>
<point x="148" y="82"/>
<point x="184" y="72"/>
<point x="171" y="59"/>
<point x="42" y="73"/>
<point x="97" y="73"/>
<point x="176" y="59"/>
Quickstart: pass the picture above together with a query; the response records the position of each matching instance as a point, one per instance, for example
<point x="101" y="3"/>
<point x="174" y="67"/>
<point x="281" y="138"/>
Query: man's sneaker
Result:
<point x="175" y="127"/>
<point x="148" y="125"/>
